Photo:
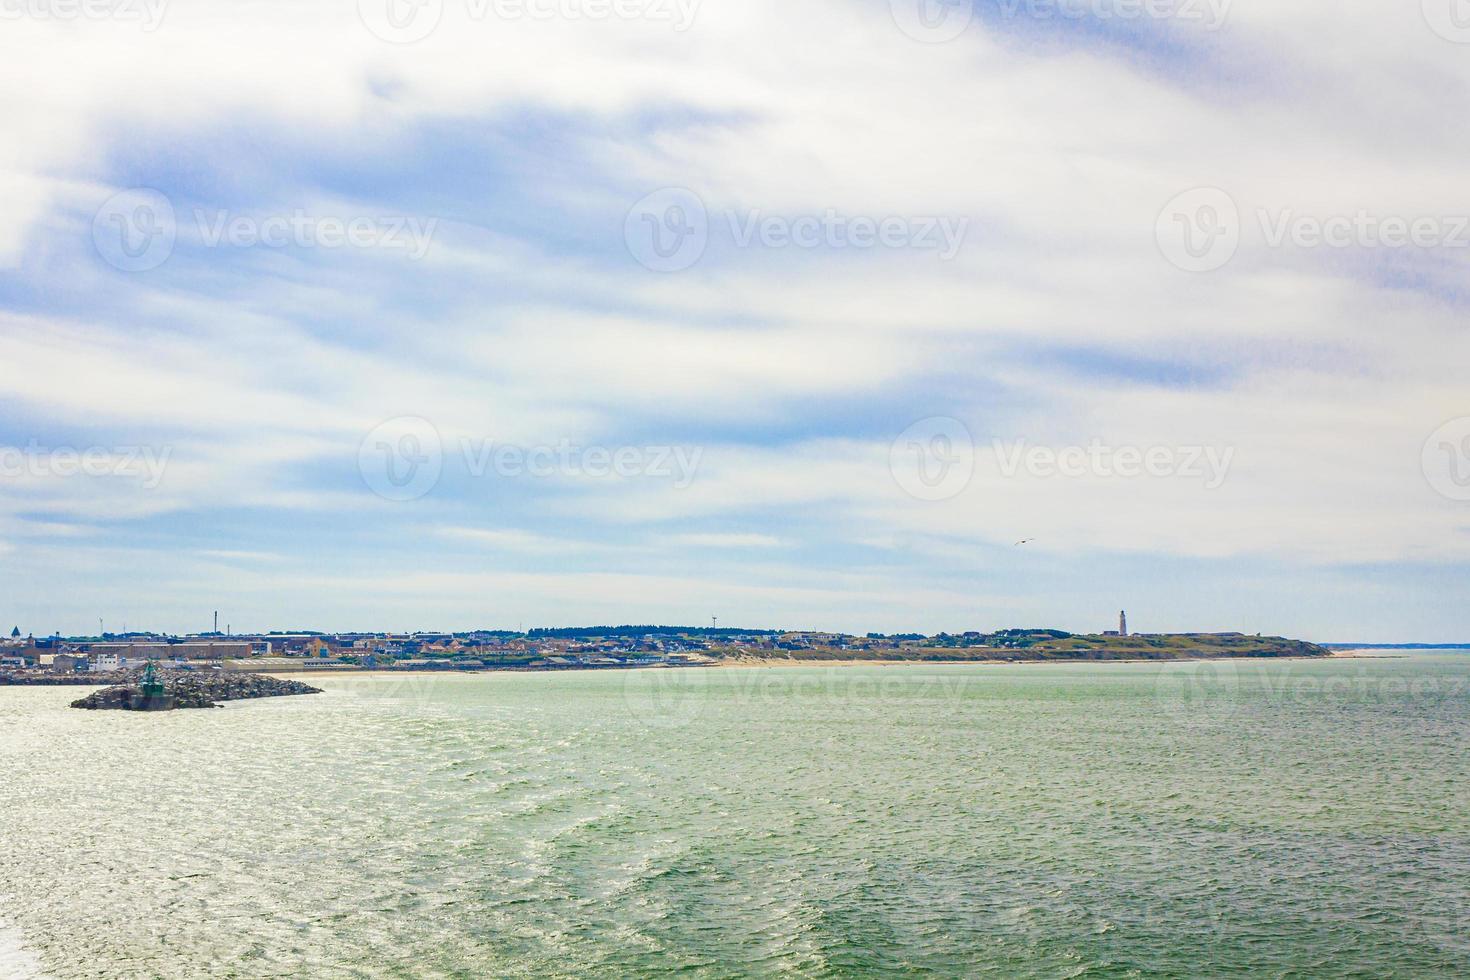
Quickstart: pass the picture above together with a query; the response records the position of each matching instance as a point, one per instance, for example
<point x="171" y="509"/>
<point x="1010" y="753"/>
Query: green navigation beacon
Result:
<point x="152" y="686"/>
<point x="151" y="696"/>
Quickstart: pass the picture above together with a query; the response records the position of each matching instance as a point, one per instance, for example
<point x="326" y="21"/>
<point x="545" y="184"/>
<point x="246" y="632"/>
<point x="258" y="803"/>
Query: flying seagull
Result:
<point x="1023" y="541"/>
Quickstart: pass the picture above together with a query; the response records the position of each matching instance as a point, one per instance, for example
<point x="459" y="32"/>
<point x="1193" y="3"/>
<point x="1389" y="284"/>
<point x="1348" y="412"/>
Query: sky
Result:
<point x="880" y="315"/>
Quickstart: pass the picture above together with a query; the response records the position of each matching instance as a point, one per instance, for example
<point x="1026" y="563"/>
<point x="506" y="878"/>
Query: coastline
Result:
<point x="765" y="662"/>
<point x="726" y="663"/>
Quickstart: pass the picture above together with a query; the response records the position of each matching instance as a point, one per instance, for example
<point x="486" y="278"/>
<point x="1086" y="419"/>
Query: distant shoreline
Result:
<point x="1399" y="647"/>
<point x="727" y="663"/>
<point x="761" y="662"/>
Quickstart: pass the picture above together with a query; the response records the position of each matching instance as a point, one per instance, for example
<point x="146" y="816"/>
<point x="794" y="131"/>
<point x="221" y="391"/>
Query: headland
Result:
<point x="218" y="667"/>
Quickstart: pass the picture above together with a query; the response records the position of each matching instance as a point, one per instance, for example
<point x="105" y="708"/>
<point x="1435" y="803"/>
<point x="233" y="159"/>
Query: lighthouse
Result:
<point x="1123" y="623"/>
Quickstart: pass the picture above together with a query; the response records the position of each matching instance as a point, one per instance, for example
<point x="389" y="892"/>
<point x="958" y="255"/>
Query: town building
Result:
<point x="195" y="650"/>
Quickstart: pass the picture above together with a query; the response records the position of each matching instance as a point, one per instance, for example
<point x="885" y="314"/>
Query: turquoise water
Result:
<point x="1254" y="819"/>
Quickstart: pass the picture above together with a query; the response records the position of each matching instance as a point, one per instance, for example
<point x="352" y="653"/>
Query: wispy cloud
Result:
<point x="729" y="540"/>
<point x="238" y="556"/>
<point x="506" y="539"/>
<point x="789" y="349"/>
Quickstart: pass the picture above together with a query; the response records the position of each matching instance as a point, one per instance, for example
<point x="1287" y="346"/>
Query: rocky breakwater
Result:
<point x="196" y="690"/>
<point x="48" y="678"/>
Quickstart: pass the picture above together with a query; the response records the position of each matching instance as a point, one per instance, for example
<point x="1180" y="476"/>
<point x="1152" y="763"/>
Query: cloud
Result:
<point x="529" y="322"/>
<point x="729" y="540"/>
<point x="238" y="556"/>
<point x="505" y="539"/>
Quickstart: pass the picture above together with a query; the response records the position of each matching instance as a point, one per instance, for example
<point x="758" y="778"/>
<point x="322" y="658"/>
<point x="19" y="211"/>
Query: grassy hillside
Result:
<point x="1028" y="645"/>
<point x="1173" y="646"/>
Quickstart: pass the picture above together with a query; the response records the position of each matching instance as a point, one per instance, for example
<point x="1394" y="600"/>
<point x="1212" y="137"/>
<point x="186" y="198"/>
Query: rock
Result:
<point x="197" y="690"/>
<point x="34" y="677"/>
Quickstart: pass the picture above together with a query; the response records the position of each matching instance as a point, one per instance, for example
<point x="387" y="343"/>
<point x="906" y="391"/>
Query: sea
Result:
<point x="1271" y="818"/>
